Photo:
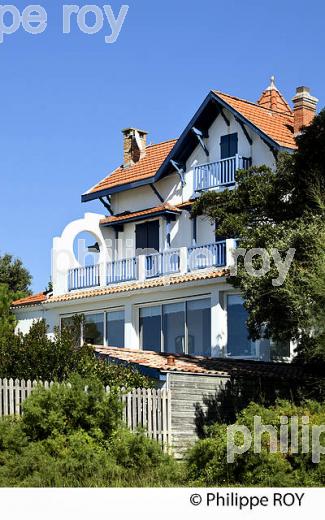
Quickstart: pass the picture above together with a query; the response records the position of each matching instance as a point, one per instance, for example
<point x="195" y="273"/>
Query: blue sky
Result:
<point x="65" y="98"/>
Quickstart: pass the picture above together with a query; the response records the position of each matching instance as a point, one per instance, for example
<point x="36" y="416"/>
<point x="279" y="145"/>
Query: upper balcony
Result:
<point x="220" y="173"/>
<point x="149" y="266"/>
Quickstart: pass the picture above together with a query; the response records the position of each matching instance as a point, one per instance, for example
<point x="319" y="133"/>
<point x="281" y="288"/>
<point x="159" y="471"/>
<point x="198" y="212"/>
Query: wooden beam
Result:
<point x="199" y="134"/>
<point x="225" y="118"/>
<point x="248" y="137"/>
<point x="156" y="192"/>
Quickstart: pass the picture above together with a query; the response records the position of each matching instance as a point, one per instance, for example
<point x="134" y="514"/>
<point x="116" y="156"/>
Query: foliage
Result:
<point x="37" y="356"/>
<point x="15" y="276"/>
<point x="69" y="437"/>
<point x="207" y="460"/>
<point x="7" y="319"/>
<point x="281" y="210"/>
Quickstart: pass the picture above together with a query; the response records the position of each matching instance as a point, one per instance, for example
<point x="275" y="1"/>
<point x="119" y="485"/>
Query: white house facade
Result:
<point x="156" y="277"/>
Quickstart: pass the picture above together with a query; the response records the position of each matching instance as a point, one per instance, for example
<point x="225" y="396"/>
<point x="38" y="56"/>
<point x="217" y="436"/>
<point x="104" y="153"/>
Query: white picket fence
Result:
<point x="149" y="409"/>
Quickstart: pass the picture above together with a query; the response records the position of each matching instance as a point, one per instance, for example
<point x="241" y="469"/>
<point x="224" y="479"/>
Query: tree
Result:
<point x="15" y="276"/>
<point x="281" y="210"/>
<point x="7" y="319"/>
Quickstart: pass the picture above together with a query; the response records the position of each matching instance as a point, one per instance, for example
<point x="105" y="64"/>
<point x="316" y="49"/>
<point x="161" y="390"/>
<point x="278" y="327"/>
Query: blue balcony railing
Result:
<point x="160" y="264"/>
<point x="121" y="271"/>
<point x="209" y="255"/>
<point x="219" y="173"/>
<point x="171" y="261"/>
<point x="83" y="277"/>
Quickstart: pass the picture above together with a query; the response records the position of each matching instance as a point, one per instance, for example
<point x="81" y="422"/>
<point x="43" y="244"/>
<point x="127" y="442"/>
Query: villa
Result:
<point x="155" y="278"/>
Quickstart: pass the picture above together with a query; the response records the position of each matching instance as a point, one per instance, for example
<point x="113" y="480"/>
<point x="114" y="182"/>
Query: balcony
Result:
<point x="145" y="267"/>
<point x="220" y="173"/>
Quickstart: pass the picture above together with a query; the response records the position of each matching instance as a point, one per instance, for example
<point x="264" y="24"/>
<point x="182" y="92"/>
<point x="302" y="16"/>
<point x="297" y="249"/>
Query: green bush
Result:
<point x="207" y="460"/>
<point x="69" y="437"/>
<point x="36" y="356"/>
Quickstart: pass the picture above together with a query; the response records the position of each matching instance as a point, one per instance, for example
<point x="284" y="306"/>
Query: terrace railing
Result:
<point x="143" y="267"/>
<point x="160" y="264"/>
<point x="219" y="173"/>
<point x="121" y="271"/>
<point x="84" y="277"/>
<point x="209" y="255"/>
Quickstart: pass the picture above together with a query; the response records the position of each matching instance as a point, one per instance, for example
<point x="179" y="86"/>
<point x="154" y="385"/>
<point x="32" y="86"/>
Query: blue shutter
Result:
<point x="228" y="145"/>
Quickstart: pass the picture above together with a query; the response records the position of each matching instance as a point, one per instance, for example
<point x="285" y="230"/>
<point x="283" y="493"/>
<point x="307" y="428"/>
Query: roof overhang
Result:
<point x="136" y="217"/>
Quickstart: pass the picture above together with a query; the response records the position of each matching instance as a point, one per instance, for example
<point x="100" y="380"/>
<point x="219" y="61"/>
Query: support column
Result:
<point x="218" y="325"/>
<point x="130" y="327"/>
<point x="231" y="245"/>
<point x="183" y="255"/>
<point x="141" y="268"/>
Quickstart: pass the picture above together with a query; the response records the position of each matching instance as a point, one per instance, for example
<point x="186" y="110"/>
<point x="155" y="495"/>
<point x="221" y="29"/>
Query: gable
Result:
<point x="274" y="127"/>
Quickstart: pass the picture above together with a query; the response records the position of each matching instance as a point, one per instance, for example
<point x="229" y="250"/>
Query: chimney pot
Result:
<point x="304" y="108"/>
<point x="134" y="146"/>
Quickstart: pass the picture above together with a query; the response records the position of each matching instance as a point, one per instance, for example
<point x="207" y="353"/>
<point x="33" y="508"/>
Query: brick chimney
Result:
<point x="134" y="147"/>
<point x="304" y="108"/>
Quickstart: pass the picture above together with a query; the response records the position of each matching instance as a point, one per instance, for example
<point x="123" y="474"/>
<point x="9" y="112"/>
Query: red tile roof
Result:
<point x="272" y="115"/>
<point x="272" y="99"/>
<point x="30" y="300"/>
<point x="203" y="365"/>
<point x="143" y="169"/>
<point x="205" y="274"/>
<point x="277" y="125"/>
<point x="144" y="213"/>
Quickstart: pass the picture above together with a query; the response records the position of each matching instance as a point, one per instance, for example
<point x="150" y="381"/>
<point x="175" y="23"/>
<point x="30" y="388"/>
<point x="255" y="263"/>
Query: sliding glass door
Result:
<point x="238" y="344"/>
<point x="180" y="328"/>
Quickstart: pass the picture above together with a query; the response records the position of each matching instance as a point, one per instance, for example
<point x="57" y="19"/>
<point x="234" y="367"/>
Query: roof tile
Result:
<point x="277" y="125"/>
<point x="203" y="365"/>
<point x="145" y="168"/>
<point x="30" y="300"/>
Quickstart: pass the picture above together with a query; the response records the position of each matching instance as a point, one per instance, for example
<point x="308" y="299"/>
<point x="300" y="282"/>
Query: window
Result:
<point x="228" y="146"/>
<point x="150" y="328"/>
<point x="115" y="328"/>
<point x="174" y="327"/>
<point x="93" y="333"/>
<point x="199" y="327"/>
<point x="239" y="345"/>
<point x="147" y="235"/>
<point x="183" y="327"/>
<point x="74" y="325"/>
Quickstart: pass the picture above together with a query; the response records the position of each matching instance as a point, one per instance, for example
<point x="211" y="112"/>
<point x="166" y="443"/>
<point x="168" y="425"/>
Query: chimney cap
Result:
<point x="301" y="89"/>
<point x="303" y="94"/>
<point x="133" y="129"/>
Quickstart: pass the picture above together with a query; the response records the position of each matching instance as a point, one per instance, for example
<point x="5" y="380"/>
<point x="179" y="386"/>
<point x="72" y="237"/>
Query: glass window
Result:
<point x="199" y="327"/>
<point x="150" y="328"/>
<point x="174" y="327"/>
<point x="73" y="324"/>
<point x="93" y="333"/>
<point x="67" y="323"/>
<point x="238" y="342"/>
<point x="115" y="329"/>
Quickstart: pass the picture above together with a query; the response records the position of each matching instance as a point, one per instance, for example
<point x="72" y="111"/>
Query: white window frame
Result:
<point x="88" y="313"/>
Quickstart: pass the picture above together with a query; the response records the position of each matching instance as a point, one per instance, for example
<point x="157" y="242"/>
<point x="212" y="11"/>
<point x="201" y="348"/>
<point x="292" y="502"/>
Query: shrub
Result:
<point x="207" y="460"/>
<point x="36" y="356"/>
<point x="69" y="437"/>
<point x="66" y="408"/>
